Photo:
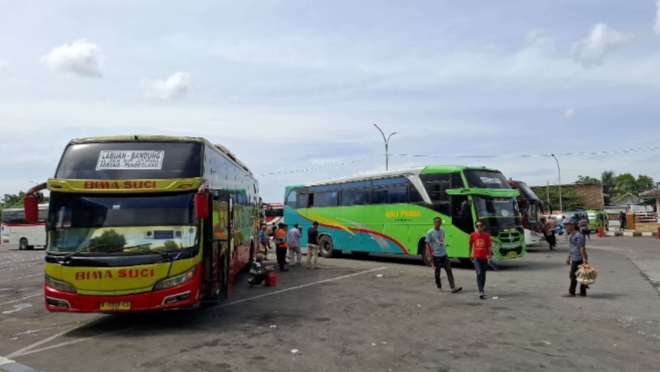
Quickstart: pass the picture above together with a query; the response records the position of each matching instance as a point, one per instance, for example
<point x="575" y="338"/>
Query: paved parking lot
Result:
<point x="346" y="318"/>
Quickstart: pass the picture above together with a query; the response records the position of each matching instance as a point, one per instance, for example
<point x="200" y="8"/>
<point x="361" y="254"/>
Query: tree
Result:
<point x="587" y="180"/>
<point x="643" y="183"/>
<point x="624" y="183"/>
<point x="16" y="200"/>
<point x="570" y="199"/>
<point x="607" y="179"/>
<point x="108" y="241"/>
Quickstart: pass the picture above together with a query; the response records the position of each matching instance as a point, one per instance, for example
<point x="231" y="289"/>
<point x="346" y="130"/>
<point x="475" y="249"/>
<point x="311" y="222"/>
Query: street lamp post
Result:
<point x="387" y="144"/>
<point x="561" y="207"/>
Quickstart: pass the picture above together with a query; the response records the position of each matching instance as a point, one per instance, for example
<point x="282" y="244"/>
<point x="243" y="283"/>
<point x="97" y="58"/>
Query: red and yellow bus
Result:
<point x="145" y="222"/>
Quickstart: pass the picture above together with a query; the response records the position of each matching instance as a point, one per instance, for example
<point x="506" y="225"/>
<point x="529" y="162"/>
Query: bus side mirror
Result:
<point x="31" y="208"/>
<point x="201" y="205"/>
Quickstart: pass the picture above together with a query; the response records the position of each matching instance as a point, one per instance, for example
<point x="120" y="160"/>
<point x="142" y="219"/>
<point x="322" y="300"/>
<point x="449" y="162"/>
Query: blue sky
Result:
<point x="296" y="84"/>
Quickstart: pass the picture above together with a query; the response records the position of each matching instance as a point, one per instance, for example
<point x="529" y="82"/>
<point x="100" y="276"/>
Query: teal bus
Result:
<point x="391" y="212"/>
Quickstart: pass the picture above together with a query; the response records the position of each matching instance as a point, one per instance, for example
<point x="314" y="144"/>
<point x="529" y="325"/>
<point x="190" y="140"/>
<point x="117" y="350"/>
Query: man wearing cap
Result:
<point x="576" y="257"/>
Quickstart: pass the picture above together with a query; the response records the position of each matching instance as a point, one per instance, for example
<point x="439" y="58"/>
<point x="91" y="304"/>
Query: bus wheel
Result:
<point x="466" y="261"/>
<point x="327" y="247"/>
<point x="421" y="249"/>
<point x="360" y="254"/>
<point x="23" y="244"/>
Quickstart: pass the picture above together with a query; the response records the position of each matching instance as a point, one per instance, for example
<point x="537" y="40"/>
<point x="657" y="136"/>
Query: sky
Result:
<point x="291" y="85"/>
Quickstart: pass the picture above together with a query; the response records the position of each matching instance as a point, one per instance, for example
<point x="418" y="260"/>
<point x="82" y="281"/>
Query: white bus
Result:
<point x="16" y="230"/>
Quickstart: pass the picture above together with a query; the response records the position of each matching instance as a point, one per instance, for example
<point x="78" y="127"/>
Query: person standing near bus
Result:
<point x="281" y="246"/>
<point x="437" y="252"/>
<point x="576" y="257"/>
<point x="293" y="238"/>
<point x="263" y="239"/>
<point x="480" y="251"/>
<point x="313" y="245"/>
<point x="552" y="234"/>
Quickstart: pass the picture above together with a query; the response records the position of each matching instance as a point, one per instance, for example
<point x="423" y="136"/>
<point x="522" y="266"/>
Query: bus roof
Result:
<point x="413" y="171"/>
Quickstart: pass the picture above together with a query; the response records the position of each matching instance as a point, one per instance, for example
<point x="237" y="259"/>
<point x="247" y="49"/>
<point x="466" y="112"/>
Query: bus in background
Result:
<point x="531" y="208"/>
<point x="391" y="212"/>
<point x="274" y="213"/>
<point x="17" y="231"/>
<point x="144" y="223"/>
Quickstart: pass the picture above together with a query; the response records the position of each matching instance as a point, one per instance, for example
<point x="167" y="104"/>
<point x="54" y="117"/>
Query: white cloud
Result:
<point x="656" y="27"/>
<point x="175" y="86"/>
<point x="81" y="58"/>
<point x="592" y="50"/>
<point x="569" y="114"/>
<point x="4" y="65"/>
<point x="533" y="37"/>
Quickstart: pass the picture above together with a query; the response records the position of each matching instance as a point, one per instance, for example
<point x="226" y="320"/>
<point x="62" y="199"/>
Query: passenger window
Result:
<point x="325" y="199"/>
<point x="397" y="194"/>
<point x="301" y="201"/>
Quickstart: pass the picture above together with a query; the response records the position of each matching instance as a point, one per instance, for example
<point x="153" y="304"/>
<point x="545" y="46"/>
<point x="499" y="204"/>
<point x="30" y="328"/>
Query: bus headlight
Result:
<point x="176" y="280"/>
<point x="60" y="285"/>
<point x="497" y="245"/>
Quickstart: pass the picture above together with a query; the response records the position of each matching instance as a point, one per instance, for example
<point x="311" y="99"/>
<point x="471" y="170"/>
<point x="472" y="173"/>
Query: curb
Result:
<point x="631" y="234"/>
<point x="8" y="365"/>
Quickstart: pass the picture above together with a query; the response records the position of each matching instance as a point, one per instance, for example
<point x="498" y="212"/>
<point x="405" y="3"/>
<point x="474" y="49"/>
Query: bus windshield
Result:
<point x="527" y="191"/>
<point x="497" y="213"/>
<point x="120" y="223"/>
<point x="486" y="179"/>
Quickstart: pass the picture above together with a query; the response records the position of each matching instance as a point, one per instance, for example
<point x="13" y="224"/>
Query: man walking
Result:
<point x="437" y="252"/>
<point x="480" y="245"/>
<point x="576" y="257"/>
<point x="313" y="245"/>
<point x="281" y="246"/>
<point x="293" y="238"/>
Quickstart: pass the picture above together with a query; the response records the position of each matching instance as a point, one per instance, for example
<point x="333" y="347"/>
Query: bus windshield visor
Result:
<point x="131" y="160"/>
<point x="486" y="179"/>
<point x="121" y="224"/>
<point x="497" y="213"/>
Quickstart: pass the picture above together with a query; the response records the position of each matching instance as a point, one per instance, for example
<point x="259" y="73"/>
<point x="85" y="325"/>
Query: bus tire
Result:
<point x="360" y="255"/>
<point x="23" y="244"/>
<point x="327" y="247"/>
<point x="421" y="250"/>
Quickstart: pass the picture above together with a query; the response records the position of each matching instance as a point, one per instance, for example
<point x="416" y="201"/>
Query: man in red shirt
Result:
<point x="480" y="245"/>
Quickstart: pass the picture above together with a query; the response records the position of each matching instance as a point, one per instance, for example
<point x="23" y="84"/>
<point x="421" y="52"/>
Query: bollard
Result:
<point x="601" y="233"/>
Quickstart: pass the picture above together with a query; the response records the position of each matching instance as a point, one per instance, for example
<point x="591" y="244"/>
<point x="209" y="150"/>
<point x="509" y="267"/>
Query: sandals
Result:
<point x="456" y="290"/>
<point x="568" y="295"/>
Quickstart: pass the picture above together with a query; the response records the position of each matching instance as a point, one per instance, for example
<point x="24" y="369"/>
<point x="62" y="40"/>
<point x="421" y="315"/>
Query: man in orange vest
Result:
<point x="282" y="247"/>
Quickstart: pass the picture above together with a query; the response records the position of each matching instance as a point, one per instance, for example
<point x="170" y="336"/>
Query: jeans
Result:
<point x="281" y="256"/>
<point x="443" y="262"/>
<point x="312" y="251"/>
<point x="295" y="255"/>
<point x="574" y="282"/>
<point x="481" y="266"/>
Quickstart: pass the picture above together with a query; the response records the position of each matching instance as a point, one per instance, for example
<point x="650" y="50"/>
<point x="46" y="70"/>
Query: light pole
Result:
<point x="561" y="207"/>
<point x="387" y="144"/>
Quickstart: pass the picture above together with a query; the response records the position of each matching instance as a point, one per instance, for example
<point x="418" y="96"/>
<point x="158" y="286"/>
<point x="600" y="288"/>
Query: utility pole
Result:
<point x="387" y="144"/>
<point x="561" y="207"/>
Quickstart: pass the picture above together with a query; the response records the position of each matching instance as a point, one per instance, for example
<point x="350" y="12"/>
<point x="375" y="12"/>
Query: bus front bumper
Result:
<point x="181" y="296"/>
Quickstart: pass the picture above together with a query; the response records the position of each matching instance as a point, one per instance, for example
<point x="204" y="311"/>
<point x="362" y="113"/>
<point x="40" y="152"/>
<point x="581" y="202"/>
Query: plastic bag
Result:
<point x="586" y="274"/>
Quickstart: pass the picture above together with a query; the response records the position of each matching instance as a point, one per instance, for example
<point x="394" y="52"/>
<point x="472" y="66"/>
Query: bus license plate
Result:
<point x="512" y="255"/>
<point x="115" y="306"/>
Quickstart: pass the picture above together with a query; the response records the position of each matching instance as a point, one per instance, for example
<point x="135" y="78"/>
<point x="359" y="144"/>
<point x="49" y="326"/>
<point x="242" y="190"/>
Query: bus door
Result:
<point x="461" y="208"/>
<point x="218" y="234"/>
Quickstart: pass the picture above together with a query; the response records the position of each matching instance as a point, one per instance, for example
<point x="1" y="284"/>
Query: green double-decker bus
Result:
<point x="391" y="212"/>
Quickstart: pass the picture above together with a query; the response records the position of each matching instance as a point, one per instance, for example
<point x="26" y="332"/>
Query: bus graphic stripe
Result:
<point x="329" y="224"/>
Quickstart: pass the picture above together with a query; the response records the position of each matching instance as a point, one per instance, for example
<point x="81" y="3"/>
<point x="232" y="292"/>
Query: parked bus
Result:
<point x="391" y="212"/>
<point x="274" y="213"/>
<point x="531" y="208"/>
<point x="16" y="230"/>
<point x="146" y="222"/>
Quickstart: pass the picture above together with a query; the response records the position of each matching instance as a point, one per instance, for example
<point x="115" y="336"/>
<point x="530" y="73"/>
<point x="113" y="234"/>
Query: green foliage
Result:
<point x="171" y="244"/>
<point x="607" y="178"/>
<point x="587" y="180"/>
<point x="16" y="200"/>
<point x="569" y="197"/>
<point x="626" y="183"/>
<point x="109" y="240"/>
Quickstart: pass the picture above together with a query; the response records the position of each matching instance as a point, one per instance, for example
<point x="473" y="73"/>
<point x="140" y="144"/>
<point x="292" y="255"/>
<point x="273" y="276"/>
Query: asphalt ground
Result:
<point x="344" y="317"/>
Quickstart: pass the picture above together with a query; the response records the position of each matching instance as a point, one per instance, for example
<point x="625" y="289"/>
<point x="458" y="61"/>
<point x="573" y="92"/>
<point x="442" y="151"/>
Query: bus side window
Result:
<point x="348" y="198"/>
<point x="301" y="201"/>
<point x="379" y="196"/>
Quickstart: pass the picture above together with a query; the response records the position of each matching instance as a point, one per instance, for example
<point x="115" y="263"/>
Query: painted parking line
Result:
<point x="8" y="365"/>
<point x="31" y="348"/>
<point x="21" y="277"/>
<point x="21" y="299"/>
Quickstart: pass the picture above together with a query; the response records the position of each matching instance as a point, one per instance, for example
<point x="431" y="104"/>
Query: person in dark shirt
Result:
<point x="313" y="245"/>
